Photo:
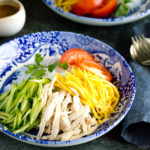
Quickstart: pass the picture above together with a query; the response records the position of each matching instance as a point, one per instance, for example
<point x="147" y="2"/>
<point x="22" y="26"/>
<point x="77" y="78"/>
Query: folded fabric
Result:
<point x="136" y="125"/>
<point x="142" y="29"/>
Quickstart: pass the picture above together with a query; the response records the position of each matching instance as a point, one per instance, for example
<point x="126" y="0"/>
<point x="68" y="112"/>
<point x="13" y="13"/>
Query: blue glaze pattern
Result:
<point x="51" y="45"/>
<point x="138" y="13"/>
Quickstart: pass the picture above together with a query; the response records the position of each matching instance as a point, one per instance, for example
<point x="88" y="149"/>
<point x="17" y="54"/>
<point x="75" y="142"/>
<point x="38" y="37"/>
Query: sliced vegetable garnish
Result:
<point x="105" y="9"/>
<point x="96" y="68"/>
<point x="36" y="70"/>
<point x="75" y="56"/>
<point x="21" y="109"/>
<point x="53" y="66"/>
<point x="39" y="73"/>
<point x="84" y="60"/>
<point x="63" y="65"/>
<point x="38" y="59"/>
<point x="123" y="8"/>
<point x="82" y="7"/>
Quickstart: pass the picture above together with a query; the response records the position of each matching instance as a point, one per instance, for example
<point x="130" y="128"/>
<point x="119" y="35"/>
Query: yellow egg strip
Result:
<point x="65" y="4"/>
<point x="100" y="95"/>
<point x="64" y="87"/>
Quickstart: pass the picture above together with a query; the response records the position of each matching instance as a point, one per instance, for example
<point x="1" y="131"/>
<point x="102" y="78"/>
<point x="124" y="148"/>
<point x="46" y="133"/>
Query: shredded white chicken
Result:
<point x="47" y="91"/>
<point x="76" y="104"/>
<point x="64" y="117"/>
<point x="64" y="123"/>
<point x="66" y="102"/>
<point x="48" y="112"/>
<point x="56" y="120"/>
<point x="92" y="129"/>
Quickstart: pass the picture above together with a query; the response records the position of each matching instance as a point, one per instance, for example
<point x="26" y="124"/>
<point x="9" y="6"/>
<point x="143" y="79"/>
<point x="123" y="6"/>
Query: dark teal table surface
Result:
<point x="41" y="18"/>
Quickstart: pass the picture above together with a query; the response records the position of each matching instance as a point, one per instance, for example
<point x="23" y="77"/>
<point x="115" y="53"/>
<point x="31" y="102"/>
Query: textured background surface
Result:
<point x="40" y="18"/>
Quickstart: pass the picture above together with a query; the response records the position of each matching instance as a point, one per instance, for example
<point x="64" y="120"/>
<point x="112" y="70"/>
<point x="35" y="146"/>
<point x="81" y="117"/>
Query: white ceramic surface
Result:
<point x="12" y="24"/>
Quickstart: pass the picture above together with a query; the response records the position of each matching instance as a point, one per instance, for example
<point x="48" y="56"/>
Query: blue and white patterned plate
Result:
<point x="21" y="51"/>
<point x="138" y="13"/>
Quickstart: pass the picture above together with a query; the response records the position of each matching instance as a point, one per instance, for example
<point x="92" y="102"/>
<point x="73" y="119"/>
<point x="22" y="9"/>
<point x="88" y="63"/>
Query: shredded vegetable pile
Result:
<point x="20" y="108"/>
<point x="71" y="104"/>
<point x="64" y="113"/>
<point x="100" y="95"/>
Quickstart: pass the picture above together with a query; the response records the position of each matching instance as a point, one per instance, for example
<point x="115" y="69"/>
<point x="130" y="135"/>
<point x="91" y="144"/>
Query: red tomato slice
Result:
<point x="82" y="7"/>
<point x="97" y="69"/>
<point x="75" y="56"/>
<point x="105" y="9"/>
<point x="84" y="60"/>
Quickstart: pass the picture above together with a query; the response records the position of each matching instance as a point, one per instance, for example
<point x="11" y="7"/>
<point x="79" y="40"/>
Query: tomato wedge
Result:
<point x="97" y="69"/>
<point x="75" y="56"/>
<point x="84" y="60"/>
<point x="105" y="9"/>
<point x="83" y="7"/>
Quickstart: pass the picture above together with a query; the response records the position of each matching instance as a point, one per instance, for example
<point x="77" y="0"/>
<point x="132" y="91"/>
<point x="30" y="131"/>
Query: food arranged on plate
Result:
<point x="65" y="100"/>
<point x="98" y="8"/>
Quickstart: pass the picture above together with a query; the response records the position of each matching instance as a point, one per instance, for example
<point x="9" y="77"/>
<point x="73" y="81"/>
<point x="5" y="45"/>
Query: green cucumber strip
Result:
<point x="4" y="114"/>
<point x="36" y="109"/>
<point x="5" y="127"/>
<point x="25" y="121"/>
<point x="34" y="125"/>
<point x="3" y="117"/>
<point x="8" y="120"/>
<point x="32" y="86"/>
<point x="4" y="96"/>
<point x="26" y="114"/>
<point x="17" y="101"/>
<point x="22" y="129"/>
<point x="19" y="118"/>
<point x="22" y="84"/>
<point x="15" y="123"/>
<point x="25" y="105"/>
<point x="3" y="104"/>
<point x="43" y="80"/>
<point x="40" y="90"/>
<point x="20" y="109"/>
<point x="20" y="97"/>
<point x="11" y="97"/>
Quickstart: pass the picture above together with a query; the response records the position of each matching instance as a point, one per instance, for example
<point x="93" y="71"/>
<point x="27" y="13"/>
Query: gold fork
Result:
<point x="140" y="50"/>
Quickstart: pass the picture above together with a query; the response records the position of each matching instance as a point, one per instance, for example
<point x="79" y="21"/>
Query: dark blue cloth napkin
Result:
<point x="136" y="125"/>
